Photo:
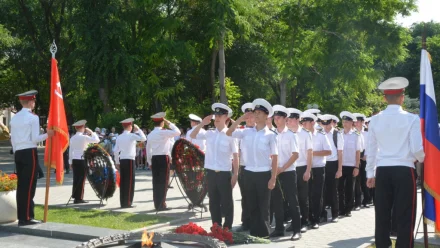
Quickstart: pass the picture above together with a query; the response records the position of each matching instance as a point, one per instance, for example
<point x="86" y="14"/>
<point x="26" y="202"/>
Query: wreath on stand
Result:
<point x="101" y="171"/>
<point x="189" y="162"/>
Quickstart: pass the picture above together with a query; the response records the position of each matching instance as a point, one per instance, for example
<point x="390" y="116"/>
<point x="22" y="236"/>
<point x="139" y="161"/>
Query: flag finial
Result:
<point x="53" y="49"/>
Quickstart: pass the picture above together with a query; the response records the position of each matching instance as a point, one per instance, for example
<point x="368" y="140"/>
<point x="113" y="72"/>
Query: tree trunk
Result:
<point x="283" y="91"/>
<point x="221" y="69"/>
<point x="293" y="95"/>
<point x="104" y="99"/>
<point x="213" y="59"/>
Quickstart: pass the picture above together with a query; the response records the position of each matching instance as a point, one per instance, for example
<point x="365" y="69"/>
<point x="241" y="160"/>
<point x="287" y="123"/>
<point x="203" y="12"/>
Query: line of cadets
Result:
<point x="292" y="171"/>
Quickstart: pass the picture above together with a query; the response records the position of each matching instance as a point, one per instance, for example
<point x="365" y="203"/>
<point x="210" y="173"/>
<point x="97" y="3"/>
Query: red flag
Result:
<point x="56" y="145"/>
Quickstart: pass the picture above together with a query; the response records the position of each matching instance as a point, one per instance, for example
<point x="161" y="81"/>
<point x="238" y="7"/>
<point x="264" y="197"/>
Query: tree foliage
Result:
<point x="137" y="57"/>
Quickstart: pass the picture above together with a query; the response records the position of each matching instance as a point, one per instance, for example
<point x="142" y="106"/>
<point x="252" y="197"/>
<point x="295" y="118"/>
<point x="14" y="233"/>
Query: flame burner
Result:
<point x="143" y="239"/>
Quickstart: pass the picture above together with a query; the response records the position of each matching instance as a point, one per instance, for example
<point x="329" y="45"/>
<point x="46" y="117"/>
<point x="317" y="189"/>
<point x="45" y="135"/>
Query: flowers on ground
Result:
<point x="222" y="234"/>
<point x="8" y="182"/>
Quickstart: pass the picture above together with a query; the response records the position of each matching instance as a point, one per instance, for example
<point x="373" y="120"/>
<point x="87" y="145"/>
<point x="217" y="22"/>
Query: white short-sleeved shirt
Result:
<point x="125" y="147"/>
<point x="320" y="143"/>
<point x="160" y="141"/>
<point x="287" y="144"/>
<point x="259" y="146"/>
<point x="200" y="143"/>
<point x="352" y="144"/>
<point x="242" y="148"/>
<point x="364" y="135"/>
<point x="219" y="149"/>
<point x="78" y="144"/>
<point x="340" y="143"/>
<point x="305" y="143"/>
<point x="394" y="139"/>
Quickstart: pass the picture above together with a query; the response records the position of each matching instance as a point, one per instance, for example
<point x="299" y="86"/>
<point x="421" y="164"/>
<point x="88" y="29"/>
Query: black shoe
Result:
<point x="357" y="208"/>
<point x="335" y="220"/>
<point x="315" y="226"/>
<point x="79" y="202"/>
<point x="277" y="233"/>
<point x="347" y="215"/>
<point x="163" y="209"/>
<point x="131" y="206"/>
<point x="296" y="236"/>
<point x="304" y="229"/>
<point x="28" y="222"/>
<point x="289" y="229"/>
<point x="242" y="228"/>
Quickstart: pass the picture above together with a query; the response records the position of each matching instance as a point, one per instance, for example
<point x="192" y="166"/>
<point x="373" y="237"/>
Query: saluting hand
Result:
<point x="371" y="182"/>
<point x="207" y="120"/>
<point x="135" y="128"/>
<point x="88" y="130"/>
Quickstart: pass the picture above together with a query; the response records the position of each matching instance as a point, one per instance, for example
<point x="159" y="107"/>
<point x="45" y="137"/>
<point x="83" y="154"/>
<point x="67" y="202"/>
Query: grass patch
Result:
<point x="416" y="245"/>
<point x="99" y="218"/>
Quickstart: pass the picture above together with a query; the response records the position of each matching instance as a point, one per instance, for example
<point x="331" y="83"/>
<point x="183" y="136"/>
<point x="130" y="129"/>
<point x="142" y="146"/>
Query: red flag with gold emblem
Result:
<point x="56" y="145"/>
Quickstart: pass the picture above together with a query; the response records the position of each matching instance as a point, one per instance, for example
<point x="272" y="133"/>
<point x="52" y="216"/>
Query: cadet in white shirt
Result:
<point x="286" y="189"/>
<point x="159" y="147"/>
<point x="245" y="216"/>
<point x="78" y="144"/>
<point x="394" y="145"/>
<point x="222" y="173"/>
<point x="25" y="135"/>
<point x="333" y="168"/>
<point x="261" y="165"/>
<point x="303" y="165"/>
<point x="194" y="121"/>
<point x="350" y="164"/>
<point x="362" y="178"/>
<point x="321" y="149"/>
<point x="125" y="153"/>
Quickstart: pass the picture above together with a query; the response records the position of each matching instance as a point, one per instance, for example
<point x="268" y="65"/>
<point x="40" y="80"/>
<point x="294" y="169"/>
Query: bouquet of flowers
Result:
<point x="8" y="182"/>
<point x="217" y="232"/>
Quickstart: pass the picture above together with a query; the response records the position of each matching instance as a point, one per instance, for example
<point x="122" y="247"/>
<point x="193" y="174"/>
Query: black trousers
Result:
<point x="303" y="194"/>
<point x="315" y="193"/>
<point x="245" y="218"/>
<point x="346" y="190"/>
<point x="365" y="190"/>
<point x="395" y="192"/>
<point x="161" y="175"/>
<point x="220" y="197"/>
<point x="286" y="191"/>
<point x="126" y="187"/>
<point x="26" y="162"/>
<point x="79" y="168"/>
<point x="331" y="189"/>
<point x="258" y="201"/>
<point x="66" y="160"/>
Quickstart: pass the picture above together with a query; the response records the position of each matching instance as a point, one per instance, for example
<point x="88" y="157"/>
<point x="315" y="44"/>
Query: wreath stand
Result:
<point x="101" y="201"/>
<point x="191" y="207"/>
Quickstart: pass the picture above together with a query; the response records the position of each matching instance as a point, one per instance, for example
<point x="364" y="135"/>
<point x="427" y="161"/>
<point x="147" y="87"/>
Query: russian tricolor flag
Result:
<point x="431" y="142"/>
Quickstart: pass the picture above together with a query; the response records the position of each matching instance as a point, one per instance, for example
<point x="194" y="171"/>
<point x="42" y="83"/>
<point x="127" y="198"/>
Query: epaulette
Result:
<point x="306" y="130"/>
<point x="321" y="132"/>
<point x="357" y="132"/>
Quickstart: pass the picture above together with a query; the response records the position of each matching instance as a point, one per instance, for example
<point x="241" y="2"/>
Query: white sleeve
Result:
<point x="340" y="141"/>
<point x="372" y="153"/>
<point x="93" y="138"/>
<point x="35" y="131"/>
<point x="416" y="141"/>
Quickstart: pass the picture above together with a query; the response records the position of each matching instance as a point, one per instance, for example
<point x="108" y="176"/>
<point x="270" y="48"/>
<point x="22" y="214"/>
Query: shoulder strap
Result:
<point x="335" y="138"/>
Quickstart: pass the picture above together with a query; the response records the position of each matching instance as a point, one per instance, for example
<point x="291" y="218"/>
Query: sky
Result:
<point x="427" y="10"/>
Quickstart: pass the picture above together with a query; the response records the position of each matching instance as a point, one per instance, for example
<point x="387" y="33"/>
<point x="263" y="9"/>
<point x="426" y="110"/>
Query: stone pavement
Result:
<point x="356" y="231"/>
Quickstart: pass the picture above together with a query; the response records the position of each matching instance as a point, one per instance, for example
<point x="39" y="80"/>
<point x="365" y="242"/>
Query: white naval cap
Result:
<point x="28" y="95"/>
<point x="307" y="116"/>
<point x="221" y="109"/>
<point x="97" y="129"/>
<point x="335" y="118"/>
<point x="294" y="113"/>
<point x="345" y="115"/>
<point x="313" y="111"/>
<point x="79" y="123"/>
<point x="263" y="105"/>
<point x="393" y="85"/>
<point x="194" y="117"/>
<point x="280" y="110"/>
<point x="325" y="117"/>
<point x="127" y="122"/>
<point x="247" y="107"/>
<point x="359" y="116"/>
<point x="158" y="116"/>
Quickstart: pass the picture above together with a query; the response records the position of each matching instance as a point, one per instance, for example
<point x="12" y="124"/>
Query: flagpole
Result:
<point x="422" y="178"/>
<point x="53" y="50"/>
